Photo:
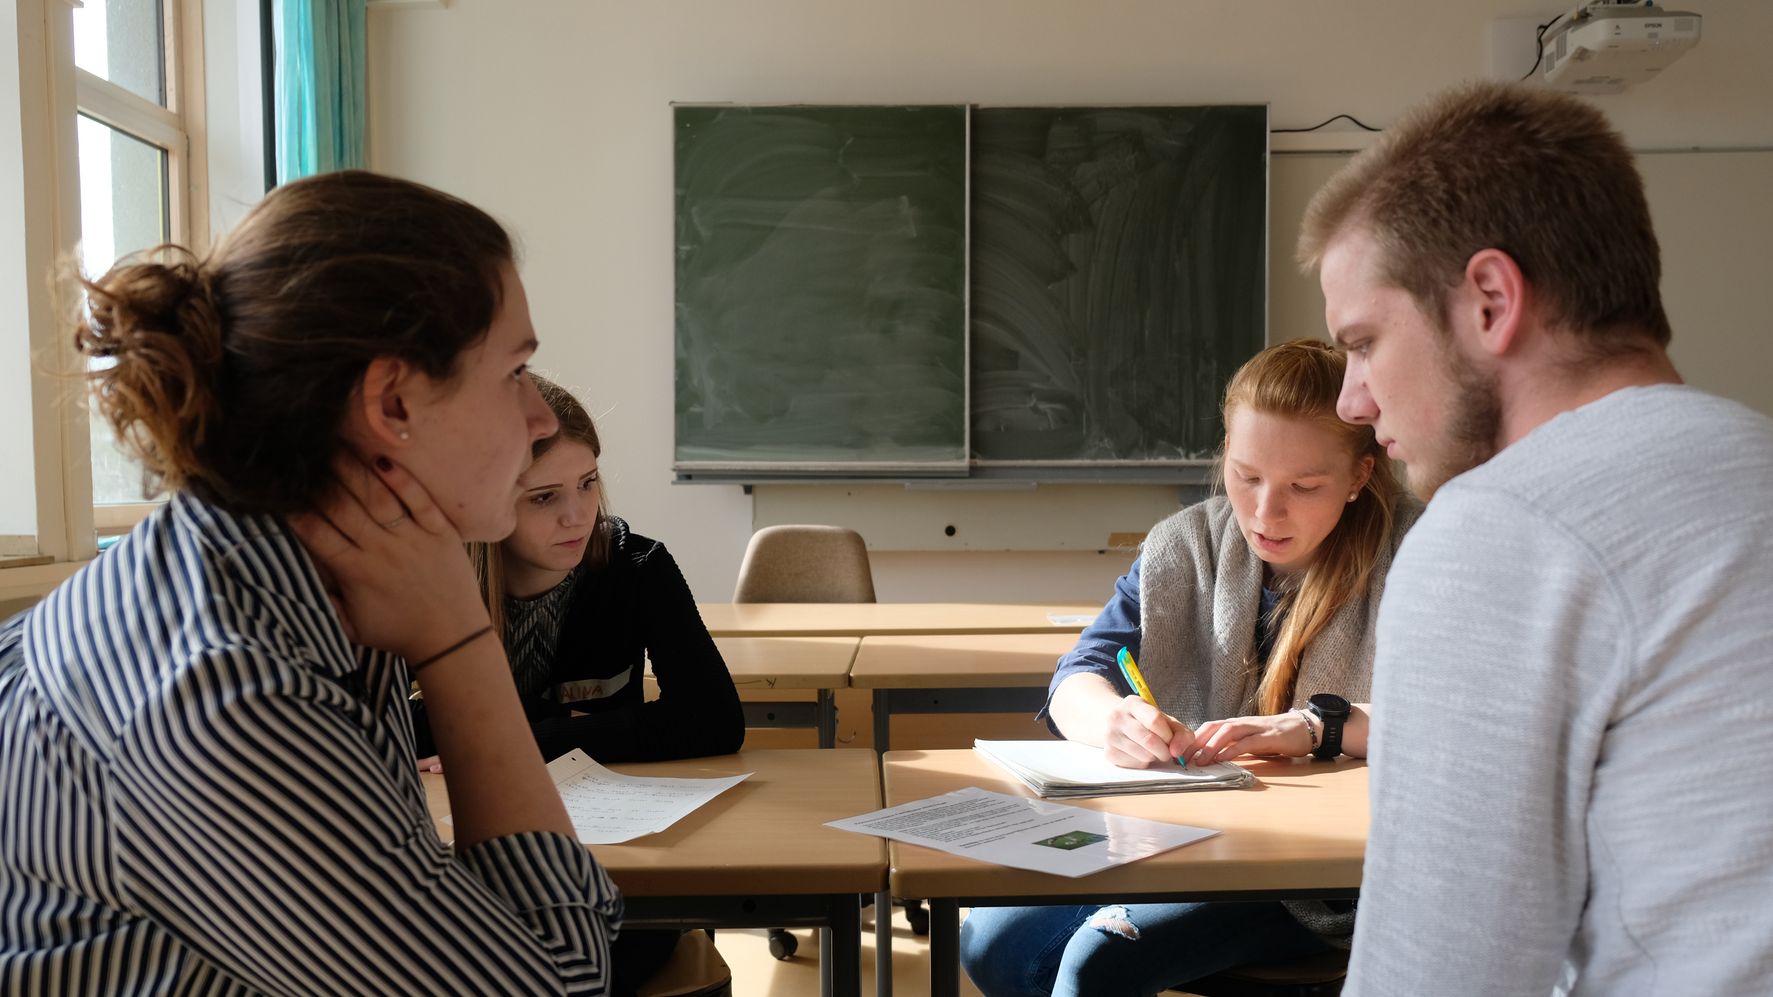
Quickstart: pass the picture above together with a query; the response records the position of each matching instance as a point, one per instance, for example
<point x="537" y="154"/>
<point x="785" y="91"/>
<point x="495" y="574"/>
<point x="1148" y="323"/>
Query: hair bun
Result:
<point x="157" y="320"/>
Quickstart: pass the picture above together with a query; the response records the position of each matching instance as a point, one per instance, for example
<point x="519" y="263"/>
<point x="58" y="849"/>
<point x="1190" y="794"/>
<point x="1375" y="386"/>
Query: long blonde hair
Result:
<point x="576" y="426"/>
<point x="1301" y="379"/>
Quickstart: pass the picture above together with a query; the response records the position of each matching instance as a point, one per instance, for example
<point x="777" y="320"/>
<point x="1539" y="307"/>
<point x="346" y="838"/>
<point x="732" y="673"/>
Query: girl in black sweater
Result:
<point x="582" y="604"/>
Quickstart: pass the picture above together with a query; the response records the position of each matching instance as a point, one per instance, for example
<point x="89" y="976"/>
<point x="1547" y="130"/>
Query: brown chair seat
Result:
<point x="1318" y="975"/>
<point x="696" y="969"/>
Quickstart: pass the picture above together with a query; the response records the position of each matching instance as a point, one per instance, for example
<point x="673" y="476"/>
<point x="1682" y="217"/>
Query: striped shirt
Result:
<point x="199" y="794"/>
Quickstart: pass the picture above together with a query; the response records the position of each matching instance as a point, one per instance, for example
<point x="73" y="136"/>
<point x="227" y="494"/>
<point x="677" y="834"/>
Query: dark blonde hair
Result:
<point x="231" y="373"/>
<point x="576" y="426"/>
<point x="1301" y="379"/>
<point x="1540" y="176"/>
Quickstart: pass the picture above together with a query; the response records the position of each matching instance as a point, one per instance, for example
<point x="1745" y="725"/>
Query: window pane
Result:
<point x="123" y="41"/>
<point x="123" y="209"/>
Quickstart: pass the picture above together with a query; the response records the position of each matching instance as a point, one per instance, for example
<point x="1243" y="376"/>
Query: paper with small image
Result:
<point x="1022" y="833"/>
<point x="1069" y="770"/>
<point x="608" y="808"/>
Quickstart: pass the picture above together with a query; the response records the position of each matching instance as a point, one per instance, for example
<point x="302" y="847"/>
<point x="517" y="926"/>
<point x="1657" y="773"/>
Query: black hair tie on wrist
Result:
<point x="453" y="648"/>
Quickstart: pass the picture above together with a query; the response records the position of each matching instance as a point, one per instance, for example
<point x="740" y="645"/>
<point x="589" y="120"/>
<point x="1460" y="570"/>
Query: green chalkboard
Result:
<point x="1119" y="259"/>
<point x="881" y="291"/>
<point x="821" y="287"/>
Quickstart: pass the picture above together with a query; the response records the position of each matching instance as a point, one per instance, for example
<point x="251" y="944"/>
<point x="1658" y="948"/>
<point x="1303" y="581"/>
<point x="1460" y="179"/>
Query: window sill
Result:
<point x="18" y="581"/>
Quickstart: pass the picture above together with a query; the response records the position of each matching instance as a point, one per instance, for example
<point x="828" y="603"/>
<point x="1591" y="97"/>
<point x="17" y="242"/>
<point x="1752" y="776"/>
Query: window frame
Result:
<point x="68" y="521"/>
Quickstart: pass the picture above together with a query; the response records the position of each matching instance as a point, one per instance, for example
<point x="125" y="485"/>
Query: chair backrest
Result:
<point x="695" y="970"/>
<point x="805" y="564"/>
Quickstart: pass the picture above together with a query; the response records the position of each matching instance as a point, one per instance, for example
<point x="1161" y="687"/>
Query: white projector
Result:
<point x="1604" y="48"/>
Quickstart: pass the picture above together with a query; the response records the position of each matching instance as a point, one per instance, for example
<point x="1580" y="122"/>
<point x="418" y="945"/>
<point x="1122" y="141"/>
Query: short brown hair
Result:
<point x="1539" y="175"/>
<point x="231" y="373"/>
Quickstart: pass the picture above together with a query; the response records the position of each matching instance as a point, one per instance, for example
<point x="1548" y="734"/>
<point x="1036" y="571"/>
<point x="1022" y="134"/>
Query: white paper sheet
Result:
<point x="1022" y="833"/>
<point x="1068" y="769"/>
<point x="608" y="808"/>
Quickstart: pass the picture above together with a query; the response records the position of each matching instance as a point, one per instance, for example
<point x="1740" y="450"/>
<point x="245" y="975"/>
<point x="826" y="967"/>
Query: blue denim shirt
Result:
<point x="1117" y="626"/>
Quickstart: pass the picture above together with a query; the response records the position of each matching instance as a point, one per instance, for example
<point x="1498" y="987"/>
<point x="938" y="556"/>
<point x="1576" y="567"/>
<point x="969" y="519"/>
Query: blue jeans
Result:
<point x="1142" y="949"/>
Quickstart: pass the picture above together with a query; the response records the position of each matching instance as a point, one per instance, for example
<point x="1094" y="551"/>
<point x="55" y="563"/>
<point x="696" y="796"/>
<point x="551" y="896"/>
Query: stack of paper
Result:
<point x="1069" y="770"/>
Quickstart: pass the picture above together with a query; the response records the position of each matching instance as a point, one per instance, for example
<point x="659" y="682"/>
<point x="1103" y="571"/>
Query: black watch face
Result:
<point x="1330" y="704"/>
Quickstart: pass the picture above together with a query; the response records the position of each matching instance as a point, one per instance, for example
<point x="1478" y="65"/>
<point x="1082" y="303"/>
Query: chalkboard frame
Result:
<point x="1177" y="470"/>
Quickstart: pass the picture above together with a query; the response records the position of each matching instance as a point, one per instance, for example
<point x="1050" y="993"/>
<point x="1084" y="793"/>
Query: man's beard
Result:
<point x="1474" y="420"/>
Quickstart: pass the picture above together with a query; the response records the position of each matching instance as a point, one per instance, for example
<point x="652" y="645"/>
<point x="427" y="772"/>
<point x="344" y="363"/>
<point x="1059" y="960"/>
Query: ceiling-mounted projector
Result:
<point x="1606" y="47"/>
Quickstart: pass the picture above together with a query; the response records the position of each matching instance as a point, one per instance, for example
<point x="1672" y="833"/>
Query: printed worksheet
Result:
<point x="1022" y="833"/>
<point x="608" y="808"/>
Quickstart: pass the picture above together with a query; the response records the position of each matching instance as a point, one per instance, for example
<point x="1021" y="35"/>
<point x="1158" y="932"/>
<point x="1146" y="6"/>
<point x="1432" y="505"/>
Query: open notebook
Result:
<point x="1067" y="770"/>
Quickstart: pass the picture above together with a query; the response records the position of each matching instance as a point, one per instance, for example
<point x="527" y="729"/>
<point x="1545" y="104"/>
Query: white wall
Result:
<point x="18" y="491"/>
<point x="554" y="115"/>
<point x="234" y="111"/>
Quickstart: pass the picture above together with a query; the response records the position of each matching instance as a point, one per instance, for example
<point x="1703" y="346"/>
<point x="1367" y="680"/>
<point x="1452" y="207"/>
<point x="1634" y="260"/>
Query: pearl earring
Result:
<point x="405" y="435"/>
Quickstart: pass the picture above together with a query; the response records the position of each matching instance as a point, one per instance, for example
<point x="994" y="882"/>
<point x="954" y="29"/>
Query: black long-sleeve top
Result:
<point x="636" y="606"/>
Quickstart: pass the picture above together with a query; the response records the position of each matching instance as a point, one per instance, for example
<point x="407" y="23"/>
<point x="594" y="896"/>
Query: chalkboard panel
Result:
<point x="1119" y="278"/>
<point x="821" y="284"/>
<point x="1115" y="259"/>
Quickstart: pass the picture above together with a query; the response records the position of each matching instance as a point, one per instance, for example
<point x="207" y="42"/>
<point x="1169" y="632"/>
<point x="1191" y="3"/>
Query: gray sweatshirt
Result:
<point x="1572" y="740"/>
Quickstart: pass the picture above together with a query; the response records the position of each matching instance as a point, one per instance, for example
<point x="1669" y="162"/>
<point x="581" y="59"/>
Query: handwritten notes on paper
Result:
<point x="608" y="808"/>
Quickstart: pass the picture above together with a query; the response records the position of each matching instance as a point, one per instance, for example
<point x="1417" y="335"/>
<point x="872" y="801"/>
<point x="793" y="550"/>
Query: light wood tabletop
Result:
<point x="1301" y="833"/>
<point x="788" y="662"/>
<point x="764" y="836"/>
<point x="863" y="619"/>
<point x="974" y="661"/>
<point x="1302" y="829"/>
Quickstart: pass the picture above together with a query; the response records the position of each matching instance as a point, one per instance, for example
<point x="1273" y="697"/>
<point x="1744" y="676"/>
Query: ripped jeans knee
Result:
<point x="1115" y="920"/>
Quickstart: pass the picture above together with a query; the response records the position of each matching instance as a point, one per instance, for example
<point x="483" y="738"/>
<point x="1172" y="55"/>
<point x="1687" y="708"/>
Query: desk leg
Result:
<point x="883" y="722"/>
<point x="883" y="944"/>
<point x="944" y="948"/>
<point x="826" y="719"/>
<point x="840" y="948"/>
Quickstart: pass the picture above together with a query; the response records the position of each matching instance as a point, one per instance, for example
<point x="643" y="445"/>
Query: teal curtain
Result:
<point x="322" y="70"/>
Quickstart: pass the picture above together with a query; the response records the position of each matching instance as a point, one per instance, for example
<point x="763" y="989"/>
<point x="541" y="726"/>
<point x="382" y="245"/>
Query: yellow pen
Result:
<point x="1134" y="679"/>
<point x="1131" y="670"/>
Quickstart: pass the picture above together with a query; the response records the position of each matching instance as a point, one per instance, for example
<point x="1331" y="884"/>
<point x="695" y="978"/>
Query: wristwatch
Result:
<point x="1333" y="710"/>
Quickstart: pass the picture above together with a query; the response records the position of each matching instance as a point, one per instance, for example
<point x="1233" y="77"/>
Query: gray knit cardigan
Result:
<point x="1200" y="590"/>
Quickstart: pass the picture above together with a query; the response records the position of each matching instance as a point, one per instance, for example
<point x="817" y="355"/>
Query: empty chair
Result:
<point x="805" y="564"/>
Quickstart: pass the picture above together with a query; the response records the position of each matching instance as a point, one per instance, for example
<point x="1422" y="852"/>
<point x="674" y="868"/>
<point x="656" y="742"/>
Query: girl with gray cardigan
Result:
<point x="1251" y="616"/>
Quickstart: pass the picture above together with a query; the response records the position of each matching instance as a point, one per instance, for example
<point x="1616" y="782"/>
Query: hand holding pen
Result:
<point x="1139" y="733"/>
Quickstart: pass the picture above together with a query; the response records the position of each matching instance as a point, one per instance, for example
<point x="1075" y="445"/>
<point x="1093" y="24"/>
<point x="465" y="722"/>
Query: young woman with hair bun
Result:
<point x="206" y="778"/>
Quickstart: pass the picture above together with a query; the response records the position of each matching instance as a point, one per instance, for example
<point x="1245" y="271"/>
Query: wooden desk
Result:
<point x="864" y="619"/>
<point x="768" y="663"/>
<point x="758" y="855"/>
<point x="1301" y="834"/>
<point x="963" y="673"/>
<point x="950" y="673"/>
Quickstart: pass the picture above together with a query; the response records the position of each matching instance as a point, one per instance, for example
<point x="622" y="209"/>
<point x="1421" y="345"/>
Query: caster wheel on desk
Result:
<point x="783" y="944"/>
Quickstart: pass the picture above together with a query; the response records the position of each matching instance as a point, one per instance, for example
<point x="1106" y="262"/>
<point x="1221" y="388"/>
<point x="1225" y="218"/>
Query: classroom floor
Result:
<point x="756" y="973"/>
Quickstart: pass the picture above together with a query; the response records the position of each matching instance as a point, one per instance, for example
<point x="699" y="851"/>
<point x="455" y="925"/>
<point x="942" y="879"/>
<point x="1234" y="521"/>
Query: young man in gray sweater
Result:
<point x="1572" y="784"/>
